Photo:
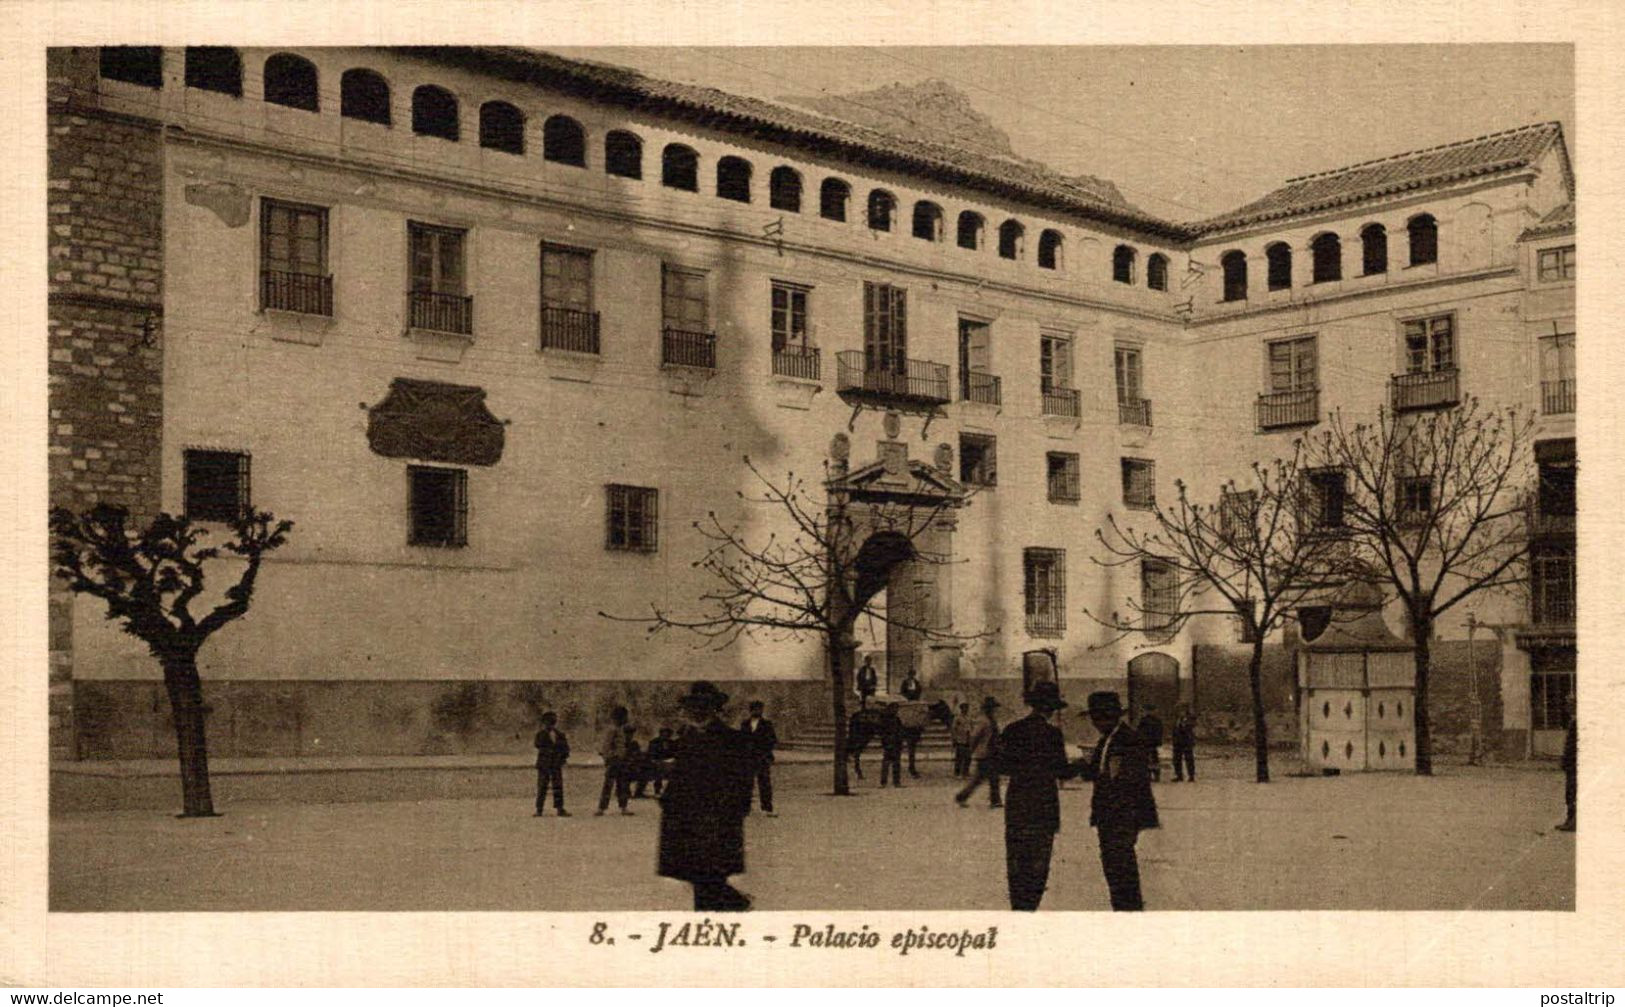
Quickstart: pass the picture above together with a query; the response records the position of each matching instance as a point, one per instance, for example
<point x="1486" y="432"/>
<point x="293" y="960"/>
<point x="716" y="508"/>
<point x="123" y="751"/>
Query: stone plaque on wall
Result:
<point x="435" y="421"/>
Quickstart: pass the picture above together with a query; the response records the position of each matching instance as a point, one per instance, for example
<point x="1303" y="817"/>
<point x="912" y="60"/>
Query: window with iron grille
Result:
<point x="1246" y="612"/>
<point x="1139" y="483"/>
<point x="1044" y="585"/>
<point x="684" y="299"/>
<point x="1159" y="594"/>
<point x="216" y="485"/>
<point x="633" y="519"/>
<point x="978" y="460"/>
<point x="1328" y="491"/>
<point x="1555" y="264"/>
<point x="1430" y="344"/>
<point x="1415" y="497"/>
<point x="293" y="258"/>
<point x="1063" y="477"/>
<point x="789" y="317"/>
<point x="437" y="507"/>
<point x="1238" y="515"/>
<point x="1551" y="688"/>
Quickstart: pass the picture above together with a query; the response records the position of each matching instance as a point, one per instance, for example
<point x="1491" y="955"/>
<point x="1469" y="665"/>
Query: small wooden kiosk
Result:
<point x="1357" y="689"/>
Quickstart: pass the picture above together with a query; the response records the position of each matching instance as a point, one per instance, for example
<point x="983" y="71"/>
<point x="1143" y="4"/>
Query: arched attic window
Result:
<point x="1123" y="264"/>
<point x="1373" y="249"/>
<point x="1011" y="237"/>
<point x="784" y="189"/>
<point x="623" y="154"/>
<point x="733" y="179"/>
<point x="1234" y="265"/>
<point x="1156" y="271"/>
<point x="927" y="221"/>
<point x="833" y="195"/>
<point x="564" y="141"/>
<point x="364" y="95"/>
<point x="291" y="80"/>
<point x="214" y="68"/>
<point x="971" y="227"/>
<point x="133" y="64"/>
<point x="1327" y="251"/>
<point x="882" y="207"/>
<point x="680" y="168"/>
<point x="434" y="113"/>
<point x="1424" y="233"/>
<point x="1279" y="259"/>
<point x="1049" y="249"/>
<point x="502" y="127"/>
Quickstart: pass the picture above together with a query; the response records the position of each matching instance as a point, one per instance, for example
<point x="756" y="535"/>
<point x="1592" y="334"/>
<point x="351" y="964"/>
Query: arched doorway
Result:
<point x="894" y="591"/>
<point x="1153" y="681"/>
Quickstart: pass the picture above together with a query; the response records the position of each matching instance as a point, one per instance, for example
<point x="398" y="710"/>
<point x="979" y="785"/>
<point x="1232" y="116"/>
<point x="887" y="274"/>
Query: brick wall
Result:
<point x="106" y="311"/>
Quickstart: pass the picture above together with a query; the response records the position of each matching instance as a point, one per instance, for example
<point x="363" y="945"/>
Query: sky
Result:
<point x="1184" y="131"/>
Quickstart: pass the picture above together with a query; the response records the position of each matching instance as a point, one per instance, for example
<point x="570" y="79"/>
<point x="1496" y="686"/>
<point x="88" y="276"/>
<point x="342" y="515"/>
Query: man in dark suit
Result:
<point x="552" y="751"/>
<point x="1571" y="776"/>
<point x="662" y="749"/>
<point x="759" y="731"/>
<point x="1122" y="804"/>
<point x="868" y="682"/>
<point x="1185" y="745"/>
<point x="1032" y="755"/>
<point x="702" y="813"/>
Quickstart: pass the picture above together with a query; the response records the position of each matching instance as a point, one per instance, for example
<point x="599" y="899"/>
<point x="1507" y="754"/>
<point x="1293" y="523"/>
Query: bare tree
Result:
<point x="1246" y="555"/>
<point x="1435" y="504"/>
<point x="149" y="580"/>
<point x="812" y="576"/>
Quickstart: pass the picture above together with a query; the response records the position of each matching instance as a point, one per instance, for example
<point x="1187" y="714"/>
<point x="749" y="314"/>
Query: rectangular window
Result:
<point x="1556" y="264"/>
<point x="1055" y="361"/>
<point x="1044" y="584"/>
<point x="437" y="259"/>
<point x="293" y="258"/>
<point x="978" y="460"/>
<point x="633" y="518"/>
<point x="789" y="317"/>
<point x="216" y="485"/>
<point x="1128" y="374"/>
<point x="1139" y="483"/>
<point x="1063" y="477"/>
<point x="1415" y="500"/>
<point x="1551" y="688"/>
<point x="566" y="278"/>
<point x="1293" y="365"/>
<point x="1238" y="515"/>
<point x="885" y="328"/>
<point x="976" y="381"/>
<point x="1430" y="344"/>
<point x="684" y="299"/>
<point x="1159" y="594"/>
<point x="1328" y="492"/>
<point x="437" y="508"/>
<point x="1246" y="612"/>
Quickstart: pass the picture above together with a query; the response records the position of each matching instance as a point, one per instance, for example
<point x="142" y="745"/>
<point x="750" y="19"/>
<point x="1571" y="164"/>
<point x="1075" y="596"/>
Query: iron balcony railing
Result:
<point x="1289" y="409"/>
<point x="977" y="387"/>
<point x="1134" y="412"/>
<point x="1426" y="389"/>
<point x="569" y="329"/>
<point x="441" y="312"/>
<point x="305" y="293"/>
<point x="797" y="362"/>
<point x="1061" y="402"/>
<point x="1551" y="590"/>
<point x="1557" y="396"/>
<point x="891" y="378"/>
<point x="685" y="348"/>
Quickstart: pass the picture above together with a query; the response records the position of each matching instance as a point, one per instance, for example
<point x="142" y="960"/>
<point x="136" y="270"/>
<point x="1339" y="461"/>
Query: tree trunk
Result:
<point x="1422" y="634"/>
<point x="838" y="660"/>
<point x="1261" y="739"/>
<point x="186" y="708"/>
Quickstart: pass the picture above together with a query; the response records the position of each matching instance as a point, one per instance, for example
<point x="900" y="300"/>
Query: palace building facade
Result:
<point x="497" y="328"/>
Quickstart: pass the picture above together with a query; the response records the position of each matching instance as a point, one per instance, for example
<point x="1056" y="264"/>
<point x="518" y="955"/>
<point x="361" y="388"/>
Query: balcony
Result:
<point x="1134" y="412"/>
<point x="861" y="378"/>
<point x="304" y="293"/>
<point x="977" y="387"/>
<point x="1557" y="397"/>
<point x="684" y="348"/>
<point x="1061" y="402"/>
<point x="1426" y="389"/>
<point x="797" y="362"/>
<point x="1551" y="590"/>
<point x="569" y="329"/>
<point x="1289" y="409"/>
<point x="432" y="312"/>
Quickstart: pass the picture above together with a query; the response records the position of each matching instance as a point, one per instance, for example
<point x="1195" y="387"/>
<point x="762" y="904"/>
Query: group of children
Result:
<point x="629" y="770"/>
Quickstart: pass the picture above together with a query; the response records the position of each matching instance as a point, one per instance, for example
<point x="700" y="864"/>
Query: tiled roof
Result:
<point x="1559" y="221"/>
<point x="1014" y="178"/>
<point x="1509" y="150"/>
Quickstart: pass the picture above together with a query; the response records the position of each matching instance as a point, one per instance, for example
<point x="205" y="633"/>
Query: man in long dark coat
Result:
<point x="1032" y="755"/>
<point x="1122" y="804"/>
<point x="702" y="813"/>
<point x="1571" y="776"/>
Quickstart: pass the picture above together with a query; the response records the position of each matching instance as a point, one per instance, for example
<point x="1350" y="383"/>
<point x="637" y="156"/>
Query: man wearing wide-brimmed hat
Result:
<point x="1122" y="804"/>
<point x="1032" y="755"/>
<point x="702" y="813"/>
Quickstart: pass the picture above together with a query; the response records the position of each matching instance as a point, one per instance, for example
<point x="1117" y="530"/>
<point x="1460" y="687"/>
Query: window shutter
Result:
<point x="422" y="260"/>
<point x="651" y="518"/>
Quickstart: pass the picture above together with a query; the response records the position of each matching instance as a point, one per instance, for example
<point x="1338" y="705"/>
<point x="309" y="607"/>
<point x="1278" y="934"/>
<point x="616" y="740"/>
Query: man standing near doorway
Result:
<point x="1122" y="804"/>
<point x="912" y="691"/>
<point x="1032" y="755"/>
<point x="868" y="682"/>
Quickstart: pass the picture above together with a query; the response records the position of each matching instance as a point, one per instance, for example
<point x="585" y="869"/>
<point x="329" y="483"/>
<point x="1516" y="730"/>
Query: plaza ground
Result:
<point x="1467" y="838"/>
